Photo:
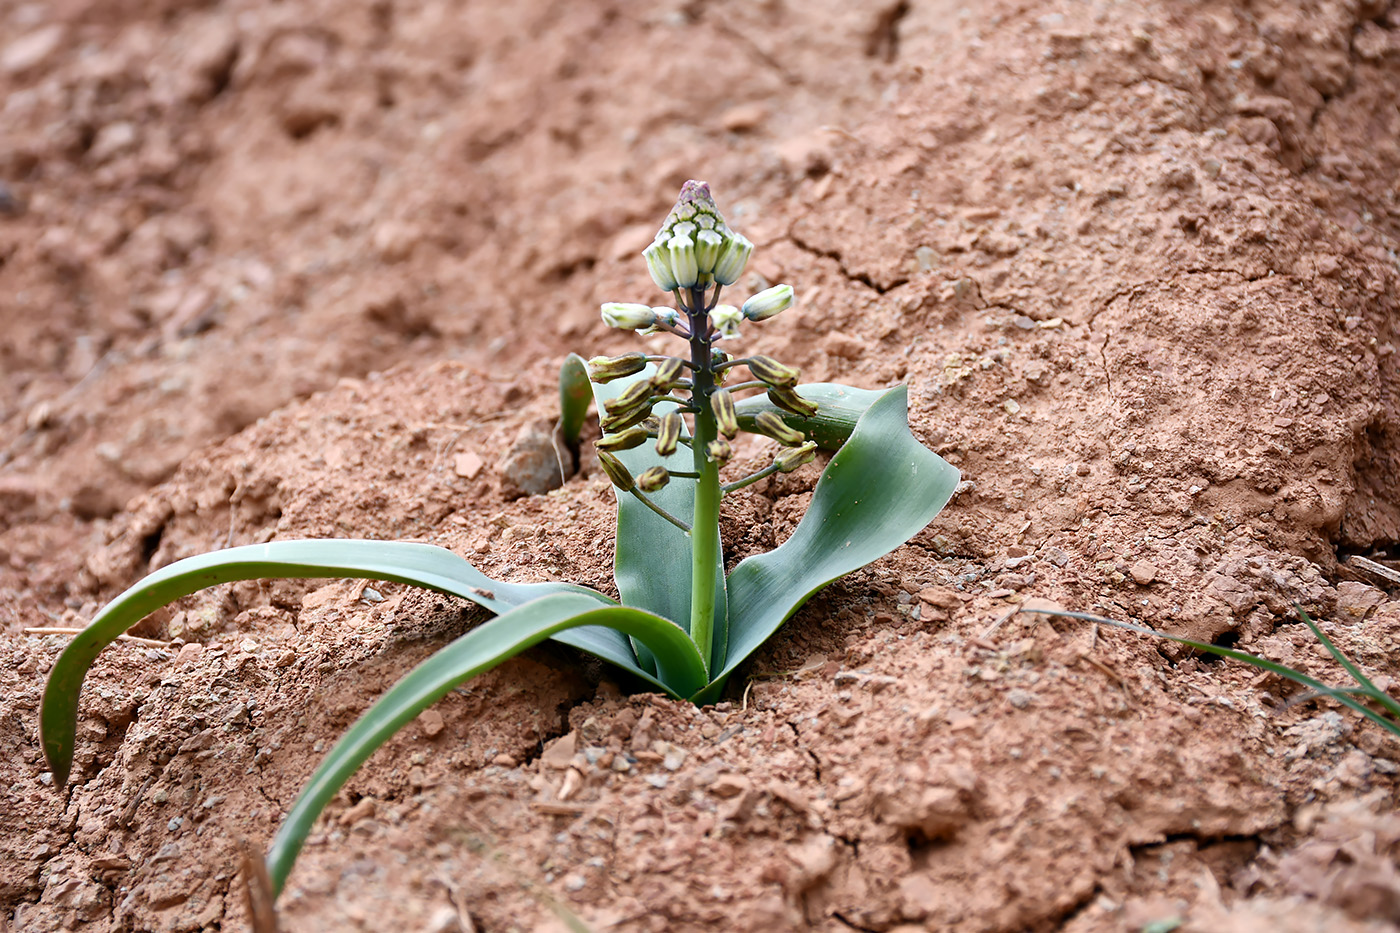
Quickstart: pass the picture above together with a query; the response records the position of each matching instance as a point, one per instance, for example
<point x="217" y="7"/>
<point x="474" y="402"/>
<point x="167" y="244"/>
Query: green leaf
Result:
<point x="838" y="409"/>
<point x="1341" y="695"/>
<point x="651" y="564"/>
<point x="575" y="392"/>
<point x="681" y="672"/>
<point x="879" y="490"/>
<point x="422" y="565"/>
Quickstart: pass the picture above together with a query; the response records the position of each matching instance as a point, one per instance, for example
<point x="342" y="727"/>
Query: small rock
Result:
<point x="1143" y="573"/>
<point x="532" y="464"/>
<point x="504" y="760"/>
<point x="573" y="780"/>
<point x="559" y="754"/>
<point x="32" y="50"/>
<point x="729" y="785"/>
<point x="467" y="465"/>
<point x="744" y="117"/>
<point x="1019" y="698"/>
<point x="431" y="721"/>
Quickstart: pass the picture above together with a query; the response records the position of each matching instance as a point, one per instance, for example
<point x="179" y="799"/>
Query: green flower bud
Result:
<point x="773" y="425"/>
<point x="719" y="451"/>
<point x="624" y="440"/>
<point x="659" y="265"/>
<point x="766" y="369"/>
<point x="725" y="320"/>
<point x="626" y="418"/>
<point x="732" y="259"/>
<point x="707" y="247"/>
<point x="682" y="252"/>
<point x="665" y="318"/>
<point x="617" y="473"/>
<point x="635" y="394"/>
<point x="668" y="433"/>
<point x="790" y="401"/>
<point x="668" y="374"/>
<point x="726" y="418"/>
<point x="602" y="369"/>
<point x="788" y="460"/>
<point x="768" y="302"/>
<point x="652" y="479"/>
<point x="628" y="316"/>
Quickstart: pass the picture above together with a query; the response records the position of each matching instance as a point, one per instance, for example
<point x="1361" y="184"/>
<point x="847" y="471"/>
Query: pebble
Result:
<point x="729" y="785"/>
<point x="467" y="465"/>
<point x="532" y="464"/>
<point x="504" y="760"/>
<point x="432" y="723"/>
<point x="1143" y="573"/>
<point x="32" y="50"/>
<point x="744" y="117"/>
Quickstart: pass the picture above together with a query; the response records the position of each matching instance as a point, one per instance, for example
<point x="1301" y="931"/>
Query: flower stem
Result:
<point x="704" y="527"/>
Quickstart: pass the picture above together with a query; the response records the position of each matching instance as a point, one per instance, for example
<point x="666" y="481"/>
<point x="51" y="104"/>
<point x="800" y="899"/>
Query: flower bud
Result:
<point x="668" y="374"/>
<point x="659" y="265"/>
<point x="719" y="451"/>
<point x="635" y="394"/>
<point x="628" y="316"/>
<point x="707" y="247"/>
<point x="725" y="320"/>
<point x="617" y="473"/>
<point x="726" y="418"/>
<point x="666" y="320"/>
<point x="790" y="401"/>
<point x="668" y="433"/>
<point x="766" y="369"/>
<point x="625" y="419"/>
<point x="624" y="440"/>
<point x="788" y="460"/>
<point x="682" y="252"/>
<point x="768" y="302"/>
<point x="773" y="425"/>
<point x="603" y="369"/>
<point x="652" y="479"/>
<point x="732" y="259"/>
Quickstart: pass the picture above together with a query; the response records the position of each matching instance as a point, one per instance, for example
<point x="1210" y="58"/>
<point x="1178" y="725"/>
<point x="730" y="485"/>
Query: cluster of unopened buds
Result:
<point x="694" y="256"/>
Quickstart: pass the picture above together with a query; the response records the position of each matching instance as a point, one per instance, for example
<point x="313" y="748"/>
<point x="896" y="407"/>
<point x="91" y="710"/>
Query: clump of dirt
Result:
<point x="309" y="269"/>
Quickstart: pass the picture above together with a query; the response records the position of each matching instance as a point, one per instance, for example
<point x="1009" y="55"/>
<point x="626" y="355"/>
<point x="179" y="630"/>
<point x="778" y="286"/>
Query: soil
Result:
<point x="309" y="268"/>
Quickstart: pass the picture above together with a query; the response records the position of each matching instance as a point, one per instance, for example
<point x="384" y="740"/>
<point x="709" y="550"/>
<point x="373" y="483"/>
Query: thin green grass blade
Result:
<point x="652" y="562"/>
<point x="1380" y="696"/>
<point x="680" y="668"/>
<point x="422" y="565"/>
<point x="575" y="392"/>
<point x="879" y="490"/>
<point x="1254" y="660"/>
<point x="838" y="409"/>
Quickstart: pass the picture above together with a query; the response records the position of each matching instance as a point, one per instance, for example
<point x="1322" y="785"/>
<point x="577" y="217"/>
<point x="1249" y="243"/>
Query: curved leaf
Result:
<point x="422" y="565"/>
<point x="879" y="490"/>
<point x="839" y="408"/>
<point x="652" y="562"/>
<point x="479" y="650"/>
<point x="574" y="395"/>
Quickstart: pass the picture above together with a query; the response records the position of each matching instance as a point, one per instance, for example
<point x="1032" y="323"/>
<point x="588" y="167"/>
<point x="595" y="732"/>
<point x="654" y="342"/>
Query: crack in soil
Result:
<point x="862" y="278"/>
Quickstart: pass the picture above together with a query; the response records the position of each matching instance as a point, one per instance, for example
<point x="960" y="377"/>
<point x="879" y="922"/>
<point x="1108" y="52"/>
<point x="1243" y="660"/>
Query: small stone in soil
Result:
<point x="1143" y="573"/>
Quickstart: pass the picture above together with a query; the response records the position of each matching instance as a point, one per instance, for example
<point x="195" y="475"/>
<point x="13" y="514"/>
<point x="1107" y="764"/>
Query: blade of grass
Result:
<point x="678" y="664"/>
<point x="422" y="565"/>
<point x="1296" y="676"/>
<point x="1356" y="674"/>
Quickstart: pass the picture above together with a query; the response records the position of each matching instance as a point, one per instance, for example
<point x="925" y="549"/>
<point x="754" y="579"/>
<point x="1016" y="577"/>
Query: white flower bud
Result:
<point x="732" y="259"/>
<point x="659" y="265"/>
<point x="683" y="267"/>
<point x="628" y="316"/>
<point x="707" y="247"/>
<point x="768" y="302"/>
<point x="725" y="319"/>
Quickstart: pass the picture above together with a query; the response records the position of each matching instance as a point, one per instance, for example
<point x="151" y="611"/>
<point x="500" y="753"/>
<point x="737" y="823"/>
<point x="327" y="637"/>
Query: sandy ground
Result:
<point x="309" y="268"/>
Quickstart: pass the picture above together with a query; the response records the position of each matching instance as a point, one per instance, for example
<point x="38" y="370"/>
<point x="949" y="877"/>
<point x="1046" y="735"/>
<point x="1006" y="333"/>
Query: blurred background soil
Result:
<point x="309" y="268"/>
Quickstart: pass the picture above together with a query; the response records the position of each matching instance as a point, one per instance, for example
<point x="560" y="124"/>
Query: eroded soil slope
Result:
<point x="309" y="269"/>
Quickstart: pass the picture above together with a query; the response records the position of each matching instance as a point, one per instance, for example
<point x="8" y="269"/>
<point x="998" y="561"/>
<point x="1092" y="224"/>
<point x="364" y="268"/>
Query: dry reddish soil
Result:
<point x="309" y="268"/>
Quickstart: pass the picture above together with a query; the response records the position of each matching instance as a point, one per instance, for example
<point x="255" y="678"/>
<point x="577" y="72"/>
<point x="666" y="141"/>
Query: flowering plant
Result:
<point x="683" y="625"/>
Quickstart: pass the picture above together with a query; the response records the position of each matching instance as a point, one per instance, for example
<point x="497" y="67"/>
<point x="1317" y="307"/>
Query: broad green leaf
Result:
<point x="879" y="490"/>
<point x="838" y="409"/>
<point x="652" y="562"/>
<point x="422" y="565"/>
<point x="575" y="392"/>
<point x="481" y="649"/>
